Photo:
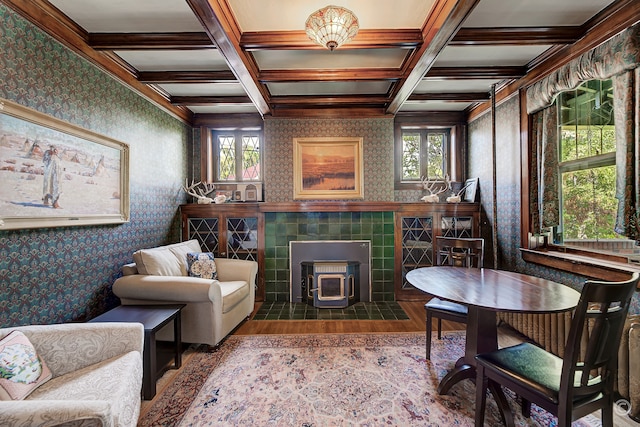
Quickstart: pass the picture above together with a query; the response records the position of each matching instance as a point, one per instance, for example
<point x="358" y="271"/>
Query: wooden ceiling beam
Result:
<point x="350" y="74"/>
<point x="154" y="77"/>
<point x="147" y="41"/>
<point x="460" y="73"/>
<point x="517" y="36"/>
<point x="221" y="27"/>
<point x="210" y="100"/>
<point x="451" y="96"/>
<point x="298" y="39"/>
<point x="444" y="21"/>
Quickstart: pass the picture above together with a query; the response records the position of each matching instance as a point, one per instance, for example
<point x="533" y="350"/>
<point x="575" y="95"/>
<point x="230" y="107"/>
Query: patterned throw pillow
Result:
<point x="201" y="264"/>
<point x="21" y="370"/>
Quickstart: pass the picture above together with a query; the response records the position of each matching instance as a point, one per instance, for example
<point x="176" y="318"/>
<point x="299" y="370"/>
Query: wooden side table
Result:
<point x="153" y="318"/>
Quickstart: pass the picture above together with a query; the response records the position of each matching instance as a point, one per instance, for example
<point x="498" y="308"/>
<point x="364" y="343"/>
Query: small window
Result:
<point x="423" y="153"/>
<point x="237" y="155"/>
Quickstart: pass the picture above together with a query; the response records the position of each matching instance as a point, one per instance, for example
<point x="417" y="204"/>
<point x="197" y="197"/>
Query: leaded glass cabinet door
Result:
<point x="205" y="231"/>
<point x="416" y="245"/>
<point x="456" y="226"/>
<point x="242" y="238"/>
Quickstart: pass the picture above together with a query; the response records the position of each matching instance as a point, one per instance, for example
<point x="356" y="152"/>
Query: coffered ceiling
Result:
<point x="198" y="58"/>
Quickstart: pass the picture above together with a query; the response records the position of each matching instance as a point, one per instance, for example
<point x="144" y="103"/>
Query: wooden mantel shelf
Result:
<point x="335" y="206"/>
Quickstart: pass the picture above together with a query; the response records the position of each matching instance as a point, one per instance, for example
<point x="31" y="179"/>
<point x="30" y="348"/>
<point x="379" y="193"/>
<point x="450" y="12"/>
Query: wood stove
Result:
<point x="333" y="284"/>
<point x="355" y="253"/>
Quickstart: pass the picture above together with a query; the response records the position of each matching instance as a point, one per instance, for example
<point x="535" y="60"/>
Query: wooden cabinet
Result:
<point x="237" y="230"/>
<point x="416" y="227"/>
<point x="230" y="230"/>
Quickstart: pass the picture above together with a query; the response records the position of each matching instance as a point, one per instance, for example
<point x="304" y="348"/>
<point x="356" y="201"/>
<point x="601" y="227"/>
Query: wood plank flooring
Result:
<point x="414" y="309"/>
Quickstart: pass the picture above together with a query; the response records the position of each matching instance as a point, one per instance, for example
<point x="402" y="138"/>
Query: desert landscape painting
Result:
<point x="328" y="168"/>
<point x="46" y="173"/>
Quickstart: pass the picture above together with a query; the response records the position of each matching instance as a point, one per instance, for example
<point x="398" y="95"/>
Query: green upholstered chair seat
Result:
<point x="442" y="305"/>
<point x="534" y="368"/>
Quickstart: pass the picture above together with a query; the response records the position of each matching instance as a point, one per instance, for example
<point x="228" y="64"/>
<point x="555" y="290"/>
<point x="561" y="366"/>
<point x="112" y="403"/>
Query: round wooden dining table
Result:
<point x="485" y="292"/>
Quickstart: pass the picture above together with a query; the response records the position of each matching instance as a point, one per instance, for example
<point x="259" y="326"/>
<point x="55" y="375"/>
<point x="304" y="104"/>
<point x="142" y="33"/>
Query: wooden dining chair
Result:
<point x="457" y="252"/>
<point x="580" y="382"/>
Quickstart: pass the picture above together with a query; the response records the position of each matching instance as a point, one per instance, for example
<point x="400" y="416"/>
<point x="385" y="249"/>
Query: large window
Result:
<point x="237" y="155"/>
<point x="423" y="153"/>
<point x="587" y="165"/>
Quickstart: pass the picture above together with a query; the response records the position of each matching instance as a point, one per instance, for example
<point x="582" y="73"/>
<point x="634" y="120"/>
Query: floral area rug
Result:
<point x="324" y="380"/>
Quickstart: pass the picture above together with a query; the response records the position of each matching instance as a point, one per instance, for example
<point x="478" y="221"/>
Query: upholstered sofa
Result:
<point x="96" y="376"/>
<point x="214" y="307"/>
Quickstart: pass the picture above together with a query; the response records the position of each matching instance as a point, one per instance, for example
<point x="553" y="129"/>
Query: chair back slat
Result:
<point x="460" y="252"/>
<point x="592" y="346"/>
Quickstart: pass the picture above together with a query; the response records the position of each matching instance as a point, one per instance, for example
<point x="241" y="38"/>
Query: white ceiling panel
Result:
<point x="433" y="106"/>
<point x="325" y="59"/>
<point x="118" y="16"/>
<point x="527" y="13"/>
<point x="328" y="88"/>
<point x="273" y="15"/>
<point x="203" y="89"/>
<point x="437" y="86"/>
<point x="174" y="60"/>
<point x="489" y="56"/>
<point x="223" y="109"/>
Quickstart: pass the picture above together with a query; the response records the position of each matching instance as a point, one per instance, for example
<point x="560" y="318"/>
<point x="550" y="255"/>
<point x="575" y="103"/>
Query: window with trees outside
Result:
<point x="587" y="165"/>
<point x="423" y="153"/>
<point x="237" y="155"/>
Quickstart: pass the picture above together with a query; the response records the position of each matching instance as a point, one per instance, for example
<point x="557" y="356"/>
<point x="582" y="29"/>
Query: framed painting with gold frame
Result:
<point x="55" y="174"/>
<point x="327" y="168"/>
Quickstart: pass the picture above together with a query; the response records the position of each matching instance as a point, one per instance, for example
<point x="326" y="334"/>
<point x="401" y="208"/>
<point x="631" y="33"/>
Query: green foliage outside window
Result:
<point x="423" y="154"/>
<point x="229" y="166"/>
<point x="587" y="162"/>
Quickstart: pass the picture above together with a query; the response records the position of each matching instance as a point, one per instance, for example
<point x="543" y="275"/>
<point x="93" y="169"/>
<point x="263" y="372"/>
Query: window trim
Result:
<point x="455" y="153"/>
<point x="210" y="150"/>
<point x="424" y="133"/>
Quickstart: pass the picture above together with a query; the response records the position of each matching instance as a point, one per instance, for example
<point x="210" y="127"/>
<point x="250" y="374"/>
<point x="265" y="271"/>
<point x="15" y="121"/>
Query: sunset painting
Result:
<point x="328" y="168"/>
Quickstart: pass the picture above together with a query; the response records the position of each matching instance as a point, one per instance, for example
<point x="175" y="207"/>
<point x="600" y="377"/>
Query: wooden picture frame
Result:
<point x="55" y="174"/>
<point x="327" y="168"/>
<point x="471" y="190"/>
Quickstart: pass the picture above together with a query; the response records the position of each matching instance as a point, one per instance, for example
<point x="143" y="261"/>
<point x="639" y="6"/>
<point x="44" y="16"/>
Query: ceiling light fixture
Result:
<point x="332" y="26"/>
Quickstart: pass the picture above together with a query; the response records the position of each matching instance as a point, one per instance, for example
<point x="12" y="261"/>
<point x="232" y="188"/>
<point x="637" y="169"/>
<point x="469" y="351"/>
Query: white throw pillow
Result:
<point x="170" y="260"/>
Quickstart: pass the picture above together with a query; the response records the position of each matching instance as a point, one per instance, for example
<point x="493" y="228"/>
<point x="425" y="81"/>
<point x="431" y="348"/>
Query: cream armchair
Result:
<point x="97" y="376"/>
<point x="213" y="309"/>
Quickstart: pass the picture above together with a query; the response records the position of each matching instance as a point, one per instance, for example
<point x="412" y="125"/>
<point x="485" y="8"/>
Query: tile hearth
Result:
<point x="377" y="310"/>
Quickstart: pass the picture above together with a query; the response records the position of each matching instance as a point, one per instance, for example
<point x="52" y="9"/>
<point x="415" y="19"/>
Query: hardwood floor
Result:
<point x="414" y="309"/>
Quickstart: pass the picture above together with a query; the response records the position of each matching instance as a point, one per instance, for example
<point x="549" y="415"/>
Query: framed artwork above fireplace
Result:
<point x="327" y="168"/>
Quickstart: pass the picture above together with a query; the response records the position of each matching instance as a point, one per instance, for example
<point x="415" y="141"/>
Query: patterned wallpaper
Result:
<point x="377" y="137"/>
<point x="65" y="274"/>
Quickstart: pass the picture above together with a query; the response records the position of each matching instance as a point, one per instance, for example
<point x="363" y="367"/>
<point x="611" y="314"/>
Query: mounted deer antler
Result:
<point x="457" y="198"/>
<point x="199" y="193"/>
<point x="435" y="187"/>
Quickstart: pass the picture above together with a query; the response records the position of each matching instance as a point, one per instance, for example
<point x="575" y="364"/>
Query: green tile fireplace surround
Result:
<point x="284" y="227"/>
<point x="263" y="232"/>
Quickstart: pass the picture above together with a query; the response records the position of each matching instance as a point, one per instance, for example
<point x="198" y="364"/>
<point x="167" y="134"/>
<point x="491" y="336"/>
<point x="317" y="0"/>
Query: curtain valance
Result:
<point x="618" y="54"/>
